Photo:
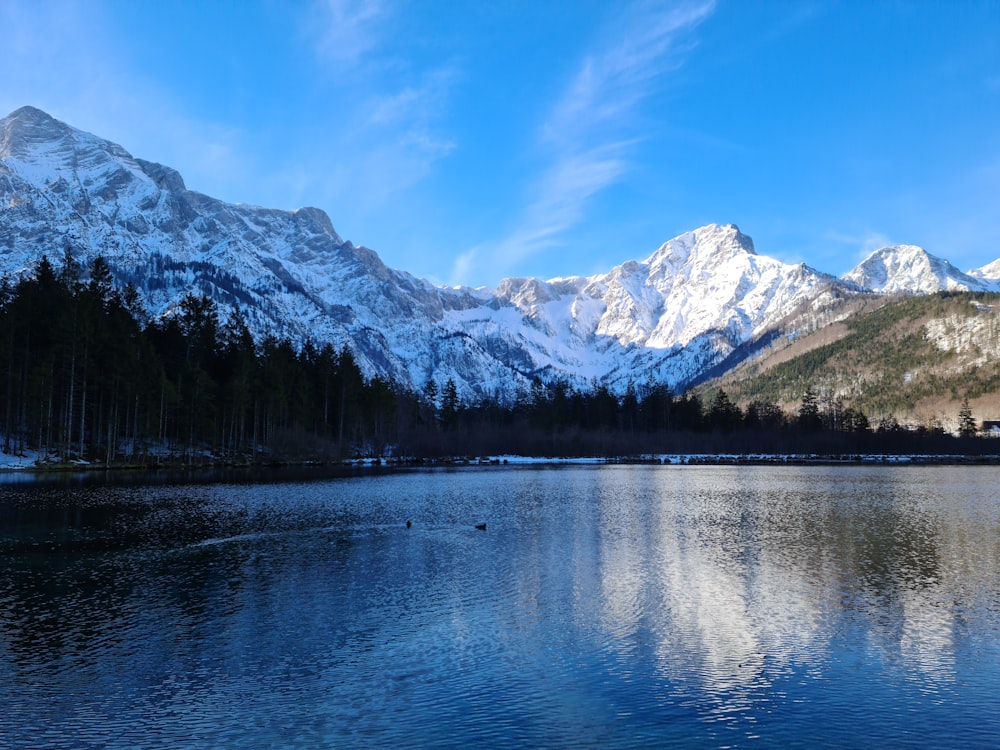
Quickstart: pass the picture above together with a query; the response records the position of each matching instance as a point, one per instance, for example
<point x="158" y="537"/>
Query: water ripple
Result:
<point x="602" y="607"/>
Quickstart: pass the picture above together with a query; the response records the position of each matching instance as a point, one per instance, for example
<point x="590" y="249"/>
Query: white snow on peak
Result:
<point x="691" y="303"/>
<point x="689" y="306"/>
<point x="710" y="279"/>
<point x="988" y="274"/>
<point x="910" y="269"/>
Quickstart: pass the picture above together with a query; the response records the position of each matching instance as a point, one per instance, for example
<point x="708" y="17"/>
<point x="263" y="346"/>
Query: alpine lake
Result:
<point x="604" y="606"/>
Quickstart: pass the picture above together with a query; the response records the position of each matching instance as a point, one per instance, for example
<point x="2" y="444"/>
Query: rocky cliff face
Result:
<point x="691" y="305"/>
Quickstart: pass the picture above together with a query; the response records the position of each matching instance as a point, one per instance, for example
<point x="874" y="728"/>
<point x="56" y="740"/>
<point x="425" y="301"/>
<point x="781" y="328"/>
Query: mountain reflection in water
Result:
<point x="605" y="606"/>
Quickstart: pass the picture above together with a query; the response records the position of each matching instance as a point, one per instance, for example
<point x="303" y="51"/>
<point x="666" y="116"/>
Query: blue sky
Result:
<point x="470" y="141"/>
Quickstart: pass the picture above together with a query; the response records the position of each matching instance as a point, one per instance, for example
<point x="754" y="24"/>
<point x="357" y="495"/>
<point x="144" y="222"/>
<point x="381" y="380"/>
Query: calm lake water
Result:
<point x="604" y="606"/>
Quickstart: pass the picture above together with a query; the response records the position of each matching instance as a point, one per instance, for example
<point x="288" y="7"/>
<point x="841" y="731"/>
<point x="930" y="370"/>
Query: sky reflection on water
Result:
<point x="612" y="606"/>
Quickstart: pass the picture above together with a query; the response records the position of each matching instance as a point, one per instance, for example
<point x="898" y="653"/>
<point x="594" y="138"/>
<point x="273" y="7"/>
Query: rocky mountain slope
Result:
<point x="916" y="358"/>
<point x="701" y="302"/>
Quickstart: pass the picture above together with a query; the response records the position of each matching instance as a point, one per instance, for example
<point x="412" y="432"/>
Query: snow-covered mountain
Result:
<point x="287" y="273"/>
<point x="988" y="274"/>
<point x="699" y="300"/>
<point x="911" y="269"/>
<point x="669" y="318"/>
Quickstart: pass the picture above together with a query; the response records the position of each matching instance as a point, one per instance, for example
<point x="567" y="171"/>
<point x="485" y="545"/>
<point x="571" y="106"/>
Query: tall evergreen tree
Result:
<point x="809" y="416"/>
<point x="450" y="405"/>
<point x="723" y="414"/>
<point x="966" y="422"/>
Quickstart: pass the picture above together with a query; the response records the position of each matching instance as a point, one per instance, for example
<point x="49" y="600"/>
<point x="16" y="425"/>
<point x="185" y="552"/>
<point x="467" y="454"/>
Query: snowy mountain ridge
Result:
<point x="692" y="305"/>
<point x="911" y="269"/>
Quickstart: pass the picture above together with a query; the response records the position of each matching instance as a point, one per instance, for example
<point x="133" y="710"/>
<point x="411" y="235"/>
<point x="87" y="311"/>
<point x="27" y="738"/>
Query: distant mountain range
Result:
<point x="696" y="307"/>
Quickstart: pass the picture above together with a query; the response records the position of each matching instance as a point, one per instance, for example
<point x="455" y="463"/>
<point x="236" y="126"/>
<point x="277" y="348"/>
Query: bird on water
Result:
<point x="481" y="526"/>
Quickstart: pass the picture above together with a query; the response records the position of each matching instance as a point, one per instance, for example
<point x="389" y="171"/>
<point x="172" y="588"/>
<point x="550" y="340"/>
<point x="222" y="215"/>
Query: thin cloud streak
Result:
<point x="350" y="29"/>
<point x="611" y="84"/>
<point x="397" y="137"/>
<point x="564" y="191"/>
<point x="588" y="132"/>
<point x="397" y="141"/>
<point x="412" y="113"/>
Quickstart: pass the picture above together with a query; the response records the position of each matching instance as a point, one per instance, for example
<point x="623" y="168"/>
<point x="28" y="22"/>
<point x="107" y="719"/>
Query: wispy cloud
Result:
<point x="414" y="112"/>
<point x="396" y="133"/>
<point x="611" y="83"/>
<point x="349" y="29"/>
<point x="398" y="138"/>
<point x="562" y="194"/>
<point x="589" y="132"/>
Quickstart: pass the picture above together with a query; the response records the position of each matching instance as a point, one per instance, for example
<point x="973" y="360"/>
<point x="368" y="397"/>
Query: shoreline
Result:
<point x="39" y="467"/>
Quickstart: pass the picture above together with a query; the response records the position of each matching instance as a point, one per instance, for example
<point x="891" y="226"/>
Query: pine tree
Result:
<point x="430" y="402"/>
<point x="449" y="405"/>
<point x="723" y="414"/>
<point x="966" y="424"/>
<point x="809" y="418"/>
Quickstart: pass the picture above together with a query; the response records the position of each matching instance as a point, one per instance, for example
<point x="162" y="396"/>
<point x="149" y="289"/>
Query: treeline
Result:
<point x="86" y="374"/>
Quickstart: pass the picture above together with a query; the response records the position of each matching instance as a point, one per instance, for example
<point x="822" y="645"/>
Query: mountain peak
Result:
<point x="28" y="125"/>
<point x="910" y="268"/>
<point x="989" y="272"/>
<point x="726" y="235"/>
<point x="319" y="218"/>
<point x="28" y="132"/>
<point x="713" y="243"/>
<point x="693" y="304"/>
<point x="29" y="115"/>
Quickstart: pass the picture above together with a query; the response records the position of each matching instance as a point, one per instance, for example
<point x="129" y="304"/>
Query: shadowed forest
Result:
<point x="87" y="374"/>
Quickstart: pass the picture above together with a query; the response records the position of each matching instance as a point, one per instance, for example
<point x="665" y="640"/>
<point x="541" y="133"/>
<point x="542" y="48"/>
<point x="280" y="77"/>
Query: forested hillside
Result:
<point x="914" y="359"/>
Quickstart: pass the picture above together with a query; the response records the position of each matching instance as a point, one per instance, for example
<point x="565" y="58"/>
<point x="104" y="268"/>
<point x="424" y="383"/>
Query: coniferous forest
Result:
<point x="88" y="375"/>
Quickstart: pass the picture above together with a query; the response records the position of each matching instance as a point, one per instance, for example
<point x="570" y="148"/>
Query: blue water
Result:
<point x="603" y="606"/>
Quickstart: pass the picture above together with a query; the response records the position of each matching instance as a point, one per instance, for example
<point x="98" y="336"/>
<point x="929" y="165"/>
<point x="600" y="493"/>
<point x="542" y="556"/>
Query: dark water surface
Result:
<point x="604" y="606"/>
